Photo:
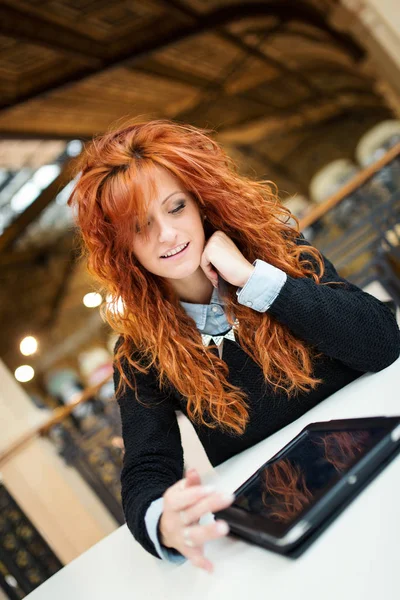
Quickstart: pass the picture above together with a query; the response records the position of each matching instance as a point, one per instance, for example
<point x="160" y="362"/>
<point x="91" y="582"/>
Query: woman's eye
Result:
<point x="178" y="208"/>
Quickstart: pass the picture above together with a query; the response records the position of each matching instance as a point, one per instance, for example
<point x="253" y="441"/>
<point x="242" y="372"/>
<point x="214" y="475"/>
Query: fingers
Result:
<point x="197" y="559"/>
<point x="192" y="478"/>
<point x="196" y="556"/>
<point x="203" y="563"/>
<point x="211" y="503"/>
<point x="186" y="497"/>
<point x="185" y="503"/>
<point x="198" y="535"/>
<point x="209" y="270"/>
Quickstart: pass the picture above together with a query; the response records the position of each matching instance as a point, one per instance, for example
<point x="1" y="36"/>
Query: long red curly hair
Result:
<point x="109" y="203"/>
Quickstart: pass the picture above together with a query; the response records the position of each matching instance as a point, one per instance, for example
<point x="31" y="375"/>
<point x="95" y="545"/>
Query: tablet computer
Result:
<point x="296" y="494"/>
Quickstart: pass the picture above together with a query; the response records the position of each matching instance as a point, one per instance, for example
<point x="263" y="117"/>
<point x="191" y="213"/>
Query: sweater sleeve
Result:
<point x="341" y="321"/>
<point x="153" y="459"/>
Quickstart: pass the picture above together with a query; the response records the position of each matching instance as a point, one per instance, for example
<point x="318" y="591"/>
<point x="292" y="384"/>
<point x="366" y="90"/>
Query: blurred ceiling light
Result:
<point x="40" y="180"/>
<point x="92" y="299"/>
<point x="28" y="345"/>
<point x="24" y="373"/>
<point x="115" y="305"/>
<point x="74" y="147"/>
<point x="25" y="196"/>
<point x="45" y="175"/>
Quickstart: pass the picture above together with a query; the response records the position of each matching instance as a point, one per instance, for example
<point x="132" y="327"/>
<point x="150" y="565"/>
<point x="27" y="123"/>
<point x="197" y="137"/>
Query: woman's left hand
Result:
<point x="221" y="256"/>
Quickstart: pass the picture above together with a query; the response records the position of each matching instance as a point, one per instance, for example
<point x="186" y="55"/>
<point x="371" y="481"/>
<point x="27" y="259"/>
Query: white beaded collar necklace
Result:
<point x="217" y="339"/>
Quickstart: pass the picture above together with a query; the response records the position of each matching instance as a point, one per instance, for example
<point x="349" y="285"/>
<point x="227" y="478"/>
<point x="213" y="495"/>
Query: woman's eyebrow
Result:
<point x="177" y="192"/>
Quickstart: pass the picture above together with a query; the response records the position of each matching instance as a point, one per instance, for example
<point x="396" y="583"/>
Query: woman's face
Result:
<point x="174" y="221"/>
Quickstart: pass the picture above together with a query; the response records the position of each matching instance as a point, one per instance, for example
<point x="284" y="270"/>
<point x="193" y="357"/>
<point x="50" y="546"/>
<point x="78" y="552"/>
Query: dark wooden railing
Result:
<point x="349" y="188"/>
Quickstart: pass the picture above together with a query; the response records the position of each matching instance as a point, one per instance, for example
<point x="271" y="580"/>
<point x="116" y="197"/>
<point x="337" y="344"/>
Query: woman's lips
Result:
<point x="177" y="255"/>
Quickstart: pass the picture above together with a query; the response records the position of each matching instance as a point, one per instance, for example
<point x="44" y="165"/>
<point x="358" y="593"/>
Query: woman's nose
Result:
<point x="166" y="233"/>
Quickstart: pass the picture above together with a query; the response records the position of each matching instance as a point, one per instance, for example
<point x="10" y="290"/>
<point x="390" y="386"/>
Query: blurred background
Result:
<point x="305" y="93"/>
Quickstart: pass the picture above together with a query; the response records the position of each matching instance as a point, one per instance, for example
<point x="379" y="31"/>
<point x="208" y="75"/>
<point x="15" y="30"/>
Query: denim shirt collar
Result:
<point x="198" y="312"/>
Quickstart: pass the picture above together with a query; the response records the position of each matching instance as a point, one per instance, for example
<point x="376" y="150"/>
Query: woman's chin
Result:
<point x="181" y="271"/>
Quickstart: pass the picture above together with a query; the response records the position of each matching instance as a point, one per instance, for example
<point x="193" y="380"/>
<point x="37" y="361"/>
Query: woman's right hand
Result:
<point x="185" y="503"/>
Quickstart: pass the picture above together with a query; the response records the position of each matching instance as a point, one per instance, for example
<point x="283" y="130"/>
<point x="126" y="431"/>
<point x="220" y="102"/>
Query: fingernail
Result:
<point x="222" y="527"/>
<point x="228" y="497"/>
<point x="208" y="489"/>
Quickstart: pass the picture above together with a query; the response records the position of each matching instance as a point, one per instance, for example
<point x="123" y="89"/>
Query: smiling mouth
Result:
<point x="176" y="253"/>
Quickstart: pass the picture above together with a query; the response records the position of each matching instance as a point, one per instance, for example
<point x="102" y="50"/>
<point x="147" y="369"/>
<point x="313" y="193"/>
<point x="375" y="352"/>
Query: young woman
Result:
<point x="228" y="315"/>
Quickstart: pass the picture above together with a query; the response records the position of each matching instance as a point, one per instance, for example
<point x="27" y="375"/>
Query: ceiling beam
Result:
<point x="209" y="22"/>
<point x="153" y="67"/>
<point x="209" y="90"/>
<point x="216" y="91"/>
<point x="322" y="128"/>
<point x="6" y="134"/>
<point x="275" y="115"/>
<point x="304" y="113"/>
<point x="274" y="62"/>
<point x="285" y="12"/>
<point x="333" y="68"/>
<point x="26" y="26"/>
<point x="278" y="168"/>
<point x="21" y="222"/>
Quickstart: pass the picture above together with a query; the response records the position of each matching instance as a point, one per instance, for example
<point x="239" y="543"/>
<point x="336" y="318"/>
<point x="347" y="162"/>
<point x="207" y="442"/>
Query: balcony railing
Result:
<point x="358" y="228"/>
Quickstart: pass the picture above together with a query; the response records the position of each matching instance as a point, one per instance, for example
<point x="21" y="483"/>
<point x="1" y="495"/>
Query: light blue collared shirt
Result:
<point x="259" y="292"/>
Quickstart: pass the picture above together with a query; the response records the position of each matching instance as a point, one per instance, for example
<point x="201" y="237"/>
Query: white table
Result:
<point x="356" y="558"/>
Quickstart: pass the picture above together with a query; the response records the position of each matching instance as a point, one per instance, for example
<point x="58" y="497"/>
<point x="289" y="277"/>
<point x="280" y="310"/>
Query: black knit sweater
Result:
<point x="355" y="333"/>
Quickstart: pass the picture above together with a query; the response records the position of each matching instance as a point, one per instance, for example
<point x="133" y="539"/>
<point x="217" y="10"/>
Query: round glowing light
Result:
<point x="74" y="147"/>
<point x="92" y="299"/>
<point x="28" y="345"/>
<point x="115" y="305"/>
<point x="24" y="373"/>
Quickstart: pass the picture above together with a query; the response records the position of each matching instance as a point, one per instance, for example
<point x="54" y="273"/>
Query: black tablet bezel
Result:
<point x="272" y="532"/>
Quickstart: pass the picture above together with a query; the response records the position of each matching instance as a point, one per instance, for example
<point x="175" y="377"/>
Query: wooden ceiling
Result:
<point x="284" y="89"/>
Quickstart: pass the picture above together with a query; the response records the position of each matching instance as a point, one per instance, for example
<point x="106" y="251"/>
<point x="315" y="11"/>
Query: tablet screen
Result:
<point x="285" y="488"/>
